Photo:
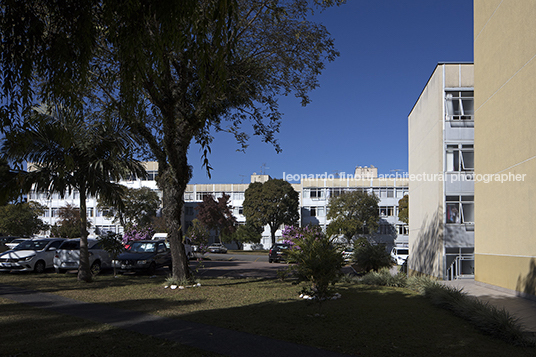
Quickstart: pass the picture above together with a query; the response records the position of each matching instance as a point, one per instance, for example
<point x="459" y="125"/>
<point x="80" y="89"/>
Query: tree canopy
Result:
<point x="68" y="225"/>
<point x="353" y="213"/>
<point x="403" y="209"/>
<point x="66" y="152"/>
<point x="139" y="207"/>
<point x="273" y="203"/>
<point x="22" y="219"/>
<point x="176" y="71"/>
<point x="217" y="215"/>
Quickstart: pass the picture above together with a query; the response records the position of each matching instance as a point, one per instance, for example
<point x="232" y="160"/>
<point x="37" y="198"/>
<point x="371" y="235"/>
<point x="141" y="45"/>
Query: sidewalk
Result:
<point x="205" y="337"/>
<point x="523" y="309"/>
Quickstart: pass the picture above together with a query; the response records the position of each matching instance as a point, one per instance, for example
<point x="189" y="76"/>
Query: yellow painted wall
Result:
<point x="505" y="143"/>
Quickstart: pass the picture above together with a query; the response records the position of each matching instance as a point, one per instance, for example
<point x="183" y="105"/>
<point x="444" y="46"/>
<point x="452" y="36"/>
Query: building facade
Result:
<point x="441" y="168"/>
<point x="314" y="197"/>
<point x="505" y="132"/>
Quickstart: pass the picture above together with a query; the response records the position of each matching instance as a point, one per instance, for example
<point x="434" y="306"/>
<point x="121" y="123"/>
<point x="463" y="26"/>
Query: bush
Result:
<point x="384" y="278"/>
<point x="488" y="318"/>
<point x="314" y="258"/>
<point x="371" y="257"/>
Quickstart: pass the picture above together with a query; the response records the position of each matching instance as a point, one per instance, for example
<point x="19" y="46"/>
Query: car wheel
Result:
<point x="39" y="267"/>
<point x="270" y="260"/>
<point x="95" y="267"/>
<point x="152" y="269"/>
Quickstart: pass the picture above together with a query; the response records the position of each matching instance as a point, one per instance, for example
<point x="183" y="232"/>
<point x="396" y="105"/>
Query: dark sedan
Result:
<point x="145" y="256"/>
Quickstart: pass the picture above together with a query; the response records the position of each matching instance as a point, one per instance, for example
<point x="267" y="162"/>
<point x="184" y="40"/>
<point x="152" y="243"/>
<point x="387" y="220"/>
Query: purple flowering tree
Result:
<point x="138" y="233"/>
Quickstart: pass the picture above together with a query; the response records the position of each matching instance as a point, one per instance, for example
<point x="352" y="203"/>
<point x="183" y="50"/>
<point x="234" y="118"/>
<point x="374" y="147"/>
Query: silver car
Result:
<point x="68" y="256"/>
<point x="31" y="255"/>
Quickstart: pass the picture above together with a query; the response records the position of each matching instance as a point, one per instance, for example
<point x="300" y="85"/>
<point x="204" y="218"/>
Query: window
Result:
<point x="315" y="193"/>
<point x="200" y="195"/>
<point x="90" y="211"/>
<point x="188" y="196"/>
<point x="336" y="192"/>
<point x="238" y="196"/>
<point x="460" y="157"/>
<point x="459" y="105"/>
<point x="151" y="175"/>
<point x="189" y="211"/>
<point x="387" y="210"/>
<point x="402" y="229"/>
<point x="460" y="209"/>
<point x="315" y="211"/>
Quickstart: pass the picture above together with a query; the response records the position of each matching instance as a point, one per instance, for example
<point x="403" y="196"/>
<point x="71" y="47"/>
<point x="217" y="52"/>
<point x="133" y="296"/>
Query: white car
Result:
<point x="31" y="255"/>
<point x="68" y="256"/>
<point x="15" y="242"/>
<point x="400" y="254"/>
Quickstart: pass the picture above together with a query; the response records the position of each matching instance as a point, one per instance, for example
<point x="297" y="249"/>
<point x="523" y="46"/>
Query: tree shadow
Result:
<point x="426" y="249"/>
<point x="526" y="286"/>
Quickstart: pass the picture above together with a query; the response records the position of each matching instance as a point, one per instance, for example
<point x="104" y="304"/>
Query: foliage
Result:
<point x="246" y="233"/>
<point x="175" y="71"/>
<point x="139" y="207"/>
<point x="383" y="277"/>
<point x="67" y="151"/>
<point x="369" y="256"/>
<point x="217" y="215"/>
<point x="8" y="183"/>
<point x="112" y="244"/>
<point x="353" y="213"/>
<point x="137" y="233"/>
<point x="69" y="223"/>
<point x="313" y="258"/>
<point x="198" y="235"/>
<point x="403" y="209"/>
<point x="273" y="203"/>
<point x="22" y="219"/>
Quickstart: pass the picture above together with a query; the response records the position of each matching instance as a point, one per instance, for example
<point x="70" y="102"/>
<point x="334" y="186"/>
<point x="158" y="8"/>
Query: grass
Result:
<point x="367" y="320"/>
<point x="29" y="331"/>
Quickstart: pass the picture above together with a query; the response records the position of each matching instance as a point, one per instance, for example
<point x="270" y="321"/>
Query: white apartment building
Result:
<point x="314" y="197"/>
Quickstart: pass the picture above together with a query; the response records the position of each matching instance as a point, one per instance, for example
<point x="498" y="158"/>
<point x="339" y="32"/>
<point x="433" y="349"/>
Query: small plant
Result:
<point x="313" y="258"/>
<point x="111" y="243"/>
<point x="384" y="278"/>
<point x="371" y="257"/>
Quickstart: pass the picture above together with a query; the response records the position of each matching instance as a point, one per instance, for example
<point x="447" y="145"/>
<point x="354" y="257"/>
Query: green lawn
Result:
<point x="367" y="321"/>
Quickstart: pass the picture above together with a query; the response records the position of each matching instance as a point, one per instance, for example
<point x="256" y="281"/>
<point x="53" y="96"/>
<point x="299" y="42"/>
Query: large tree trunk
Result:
<point x="173" y="194"/>
<point x="84" y="271"/>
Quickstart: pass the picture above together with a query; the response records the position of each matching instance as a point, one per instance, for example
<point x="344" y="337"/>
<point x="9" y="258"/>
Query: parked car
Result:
<point x="31" y="255"/>
<point x="347" y="254"/>
<point x="188" y="248"/>
<point x="15" y="242"/>
<point x="277" y="252"/>
<point x="145" y="256"/>
<point x="217" y="248"/>
<point x="68" y="256"/>
<point x="400" y="254"/>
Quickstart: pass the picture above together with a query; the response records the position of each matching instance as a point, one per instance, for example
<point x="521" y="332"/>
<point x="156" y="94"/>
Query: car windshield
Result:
<point x="142" y="247"/>
<point x="70" y="245"/>
<point x="32" y="245"/>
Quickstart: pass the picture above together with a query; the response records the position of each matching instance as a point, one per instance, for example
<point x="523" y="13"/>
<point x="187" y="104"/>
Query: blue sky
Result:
<point x="358" y="115"/>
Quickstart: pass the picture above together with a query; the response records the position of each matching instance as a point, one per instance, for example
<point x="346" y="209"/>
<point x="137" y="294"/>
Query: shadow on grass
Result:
<point x="28" y="331"/>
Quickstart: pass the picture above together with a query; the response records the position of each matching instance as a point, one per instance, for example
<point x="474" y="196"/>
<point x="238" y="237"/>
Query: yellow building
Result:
<point x="505" y="142"/>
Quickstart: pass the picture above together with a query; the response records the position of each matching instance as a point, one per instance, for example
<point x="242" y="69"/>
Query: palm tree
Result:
<point x="66" y="151"/>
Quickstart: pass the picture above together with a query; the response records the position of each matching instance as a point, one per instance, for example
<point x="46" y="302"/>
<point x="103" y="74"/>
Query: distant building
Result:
<point x="441" y="166"/>
<point x="314" y="196"/>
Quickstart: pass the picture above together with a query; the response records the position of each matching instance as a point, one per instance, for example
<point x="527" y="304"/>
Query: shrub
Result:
<point x="371" y="257"/>
<point x="313" y="258"/>
<point x="384" y="278"/>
